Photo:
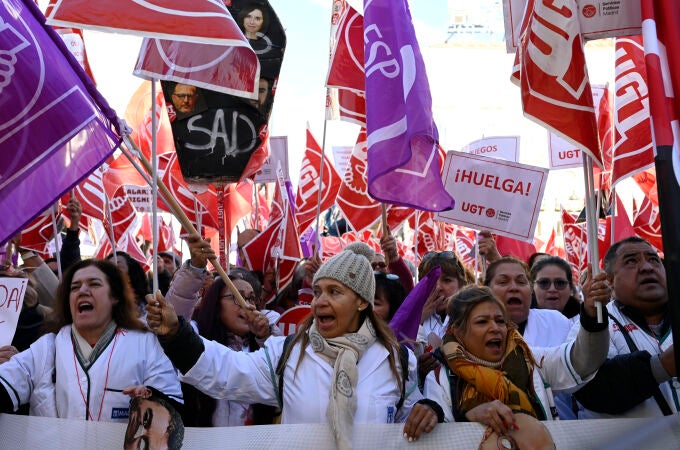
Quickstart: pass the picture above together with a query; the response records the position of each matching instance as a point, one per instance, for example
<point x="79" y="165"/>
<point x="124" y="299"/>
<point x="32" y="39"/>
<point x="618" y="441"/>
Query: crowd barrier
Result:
<point x="22" y="432"/>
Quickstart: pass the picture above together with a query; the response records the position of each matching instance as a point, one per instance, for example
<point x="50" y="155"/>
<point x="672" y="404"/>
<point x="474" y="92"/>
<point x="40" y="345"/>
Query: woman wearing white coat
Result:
<point x="493" y="372"/>
<point x="100" y="349"/>
<point x="343" y="365"/>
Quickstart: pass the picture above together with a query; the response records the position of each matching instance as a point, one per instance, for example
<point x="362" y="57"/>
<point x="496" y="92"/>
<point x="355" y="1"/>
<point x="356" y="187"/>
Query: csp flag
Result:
<point x="402" y="145"/>
<point x="55" y="128"/>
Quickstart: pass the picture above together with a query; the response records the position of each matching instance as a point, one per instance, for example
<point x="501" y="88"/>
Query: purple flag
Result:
<point x="407" y="318"/>
<point x="55" y="128"/>
<point x="403" y="162"/>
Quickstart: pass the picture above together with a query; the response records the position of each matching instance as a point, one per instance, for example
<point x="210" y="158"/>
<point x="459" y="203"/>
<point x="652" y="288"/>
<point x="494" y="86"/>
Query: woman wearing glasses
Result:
<point x="219" y="318"/>
<point x="554" y="286"/>
<point x="508" y="278"/>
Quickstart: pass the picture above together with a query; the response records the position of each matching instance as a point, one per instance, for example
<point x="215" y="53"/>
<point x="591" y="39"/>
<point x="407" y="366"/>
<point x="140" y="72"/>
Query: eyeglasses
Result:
<point x="388" y="276"/>
<point x="252" y="299"/>
<point x="448" y="254"/>
<point x="559" y="283"/>
<point x="376" y="265"/>
<point x="185" y="97"/>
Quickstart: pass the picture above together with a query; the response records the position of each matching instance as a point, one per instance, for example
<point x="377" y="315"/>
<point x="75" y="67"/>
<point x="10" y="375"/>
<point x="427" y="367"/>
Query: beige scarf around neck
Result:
<point x="343" y="354"/>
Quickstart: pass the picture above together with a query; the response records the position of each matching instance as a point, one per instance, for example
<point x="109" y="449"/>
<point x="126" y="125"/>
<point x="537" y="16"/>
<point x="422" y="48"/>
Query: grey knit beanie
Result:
<point x="352" y="267"/>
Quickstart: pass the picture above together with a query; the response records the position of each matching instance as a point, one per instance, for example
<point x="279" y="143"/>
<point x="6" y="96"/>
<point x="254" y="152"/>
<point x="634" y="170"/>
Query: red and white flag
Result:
<point x="661" y="36"/>
<point x="277" y="249"/>
<point x="127" y="244"/>
<point x="233" y="70"/>
<point x="360" y="210"/>
<point x="647" y="223"/>
<point x="308" y="195"/>
<point x="138" y="116"/>
<point x="550" y="67"/>
<point x="633" y="149"/>
<point x="38" y="234"/>
<point x="201" y="21"/>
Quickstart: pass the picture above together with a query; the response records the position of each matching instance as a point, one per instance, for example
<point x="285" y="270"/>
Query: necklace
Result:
<point x="482" y="362"/>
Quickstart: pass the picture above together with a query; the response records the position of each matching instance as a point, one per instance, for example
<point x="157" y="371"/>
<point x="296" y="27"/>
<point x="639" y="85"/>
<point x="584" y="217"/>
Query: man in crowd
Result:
<point x="639" y="379"/>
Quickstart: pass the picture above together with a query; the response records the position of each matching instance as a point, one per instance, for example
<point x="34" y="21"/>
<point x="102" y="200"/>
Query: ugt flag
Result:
<point x="55" y="128"/>
<point x="403" y="166"/>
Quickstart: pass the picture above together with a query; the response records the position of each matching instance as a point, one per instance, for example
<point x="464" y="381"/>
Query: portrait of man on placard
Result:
<point x="183" y="100"/>
<point x="154" y="421"/>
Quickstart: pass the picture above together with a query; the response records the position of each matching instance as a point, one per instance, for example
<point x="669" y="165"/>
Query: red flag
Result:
<point x="90" y="194"/>
<point x="307" y="197"/>
<point x="360" y="210"/>
<point x="127" y="244"/>
<point x="346" y="69"/>
<point x="397" y="215"/>
<point x="123" y="215"/>
<point x="232" y="70"/>
<point x="633" y="150"/>
<point x="201" y="21"/>
<point x="138" y="117"/>
<point x="37" y="235"/>
<point x="277" y="249"/>
<point x="425" y="236"/>
<point x="621" y="222"/>
<point x="166" y="238"/>
<point x="553" y="75"/>
<point x="237" y="203"/>
<point x="346" y="78"/>
<point x="647" y="224"/>
<point x="513" y="247"/>
<point x="191" y="197"/>
<point x="331" y="246"/>
<point x="646" y="180"/>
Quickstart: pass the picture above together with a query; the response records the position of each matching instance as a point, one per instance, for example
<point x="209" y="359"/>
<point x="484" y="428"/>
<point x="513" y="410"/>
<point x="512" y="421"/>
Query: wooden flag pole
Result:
<point x="592" y="219"/>
<point x="385" y="228"/>
<point x="179" y="214"/>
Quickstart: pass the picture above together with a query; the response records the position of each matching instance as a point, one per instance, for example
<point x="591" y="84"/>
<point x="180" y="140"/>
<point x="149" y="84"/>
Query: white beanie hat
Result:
<point x="352" y="267"/>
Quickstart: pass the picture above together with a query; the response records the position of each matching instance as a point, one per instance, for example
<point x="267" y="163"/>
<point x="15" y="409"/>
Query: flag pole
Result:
<point x="592" y="219"/>
<point x="179" y="213"/>
<point x="154" y="189"/>
<point x="55" y="231"/>
<point x="385" y="227"/>
<point x="319" y="194"/>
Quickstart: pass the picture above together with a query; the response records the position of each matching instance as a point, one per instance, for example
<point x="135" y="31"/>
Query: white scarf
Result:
<point x="343" y="353"/>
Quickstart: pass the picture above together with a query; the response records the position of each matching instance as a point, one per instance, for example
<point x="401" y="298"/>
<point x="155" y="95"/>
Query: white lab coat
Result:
<point x="249" y="377"/>
<point x="49" y="377"/>
<point x="546" y="328"/>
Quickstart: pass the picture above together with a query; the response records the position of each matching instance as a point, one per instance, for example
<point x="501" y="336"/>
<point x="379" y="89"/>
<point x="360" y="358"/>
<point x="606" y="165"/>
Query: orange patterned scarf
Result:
<point x="511" y="382"/>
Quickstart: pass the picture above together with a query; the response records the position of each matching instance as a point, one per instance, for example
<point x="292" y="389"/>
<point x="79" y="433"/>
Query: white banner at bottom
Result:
<point x="41" y="432"/>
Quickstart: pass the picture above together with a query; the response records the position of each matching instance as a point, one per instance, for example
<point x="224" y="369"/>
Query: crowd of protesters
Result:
<point x="509" y="348"/>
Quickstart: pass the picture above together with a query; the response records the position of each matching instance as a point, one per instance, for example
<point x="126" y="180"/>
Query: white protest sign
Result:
<point x="598" y="19"/>
<point x="491" y="194"/>
<point x="278" y="157"/>
<point x="562" y="153"/>
<point x="12" y="292"/>
<point x="140" y="197"/>
<point x="501" y="147"/>
<point x="341" y="155"/>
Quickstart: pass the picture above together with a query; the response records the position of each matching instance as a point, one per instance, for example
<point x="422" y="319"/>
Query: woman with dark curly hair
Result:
<point x="135" y="274"/>
<point x="98" y="349"/>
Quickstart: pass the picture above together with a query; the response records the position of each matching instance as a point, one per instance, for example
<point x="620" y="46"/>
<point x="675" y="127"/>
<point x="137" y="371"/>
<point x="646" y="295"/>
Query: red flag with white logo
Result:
<point x="551" y="70"/>
<point x="633" y="150"/>
<point x="360" y="210"/>
<point x="647" y="224"/>
<point x="308" y="195"/>
<point x="661" y="36"/>
<point x="127" y="244"/>
<point x="277" y="249"/>
<point x="201" y="21"/>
